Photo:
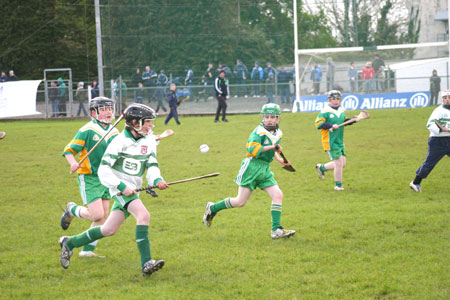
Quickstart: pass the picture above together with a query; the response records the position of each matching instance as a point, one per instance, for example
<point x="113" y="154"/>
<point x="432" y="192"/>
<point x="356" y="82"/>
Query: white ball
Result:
<point x="204" y="148"/>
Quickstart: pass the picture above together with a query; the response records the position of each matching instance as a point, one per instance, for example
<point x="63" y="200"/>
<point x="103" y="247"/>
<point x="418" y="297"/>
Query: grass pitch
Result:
<point x="376" y="240"/>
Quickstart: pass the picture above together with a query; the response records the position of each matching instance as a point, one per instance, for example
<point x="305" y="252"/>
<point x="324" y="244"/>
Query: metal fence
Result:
<point x="200" y="99"/>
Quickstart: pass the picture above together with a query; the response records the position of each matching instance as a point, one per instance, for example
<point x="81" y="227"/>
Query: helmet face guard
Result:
<point x="271" y="109"/>
<point x="140" y="113"/>
<point x="335" y="95"/>
<point x="99" y="104"/>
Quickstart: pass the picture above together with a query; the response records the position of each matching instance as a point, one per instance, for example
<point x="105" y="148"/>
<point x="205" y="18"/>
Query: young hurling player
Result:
<point x="125" y="161"/>
<point x="262" y="147"/>
<point x="94" y="195"/>
<point x="438" y="143"/>
<point x="333" y="137"/>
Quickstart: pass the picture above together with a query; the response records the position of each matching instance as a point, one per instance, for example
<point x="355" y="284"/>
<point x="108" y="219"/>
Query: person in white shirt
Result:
<point x="438" y="143"/>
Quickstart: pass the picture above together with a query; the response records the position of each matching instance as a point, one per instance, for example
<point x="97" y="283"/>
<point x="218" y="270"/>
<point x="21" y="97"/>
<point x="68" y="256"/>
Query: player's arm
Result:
<point x="73" y="148"/>
<point x="321" y="123"/>
<point x="105" y="173"/>
<point x="154" y="173"/>
<point x="431" y="124"/>
<point x="254" y="145"/>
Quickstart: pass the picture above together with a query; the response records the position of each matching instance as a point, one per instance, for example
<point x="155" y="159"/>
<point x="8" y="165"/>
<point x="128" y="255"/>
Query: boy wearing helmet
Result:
<point x="333" y="137"/>
<point x="438" y="143"/>
<point x="122" y="167"/>
<point x="262" y="147"/>
<point x="94" y="195"/>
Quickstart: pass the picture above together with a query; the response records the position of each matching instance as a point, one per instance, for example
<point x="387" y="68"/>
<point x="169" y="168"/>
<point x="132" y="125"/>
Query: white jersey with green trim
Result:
<point x="442" y="115"/>
<point x="126" y="160"/>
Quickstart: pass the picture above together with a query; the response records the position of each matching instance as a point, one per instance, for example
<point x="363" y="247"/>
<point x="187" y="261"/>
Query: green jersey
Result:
<point x="331" y="140"/>
<point x="259" y="138"/>
<point x="85" y="139"/>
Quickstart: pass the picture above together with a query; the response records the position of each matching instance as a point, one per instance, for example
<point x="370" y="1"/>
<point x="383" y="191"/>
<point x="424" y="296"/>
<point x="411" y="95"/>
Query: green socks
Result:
<point x="322" y="168"/>
<point x="90" y="246"/>
<point x="275" y="211"/>
<point x="224" y="204"/>
<point x="89" y="236"/>
<point x="143" y="243"/>
<point x="338" y="183"/>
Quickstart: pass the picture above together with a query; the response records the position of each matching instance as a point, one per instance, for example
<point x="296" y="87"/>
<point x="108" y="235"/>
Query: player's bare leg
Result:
<point x="140" y="212"/>
<point x="213" y="208"/>
<point x="96" y="211"/>
<point x="338" y="172"/>
<point x="277" y="200"/>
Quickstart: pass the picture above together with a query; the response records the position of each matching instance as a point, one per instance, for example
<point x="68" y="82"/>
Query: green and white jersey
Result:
<point x="85" y="139"/>
<point x="331" y="140"/>
<point x="442" y="115"/>
<point x="259" y="138"/>
<point x="126" y="160"/>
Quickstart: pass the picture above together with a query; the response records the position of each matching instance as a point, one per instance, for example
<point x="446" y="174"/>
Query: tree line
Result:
<point x="165" y="34"/>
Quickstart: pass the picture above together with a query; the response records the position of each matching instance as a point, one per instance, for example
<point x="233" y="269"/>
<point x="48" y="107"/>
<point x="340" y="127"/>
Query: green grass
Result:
<point x="376" y="240"/>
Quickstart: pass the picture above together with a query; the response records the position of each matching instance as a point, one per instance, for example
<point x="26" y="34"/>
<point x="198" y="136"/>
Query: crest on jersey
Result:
<point x="144" y="149"/>
<point x="95" y="138"/>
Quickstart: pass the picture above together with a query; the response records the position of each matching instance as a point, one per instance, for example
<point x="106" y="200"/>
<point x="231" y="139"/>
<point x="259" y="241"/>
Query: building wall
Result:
<point x="431" y="30"/>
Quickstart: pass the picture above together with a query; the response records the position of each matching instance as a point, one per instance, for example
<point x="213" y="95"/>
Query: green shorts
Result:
<point x="255" y="173"/>
<point x="91" y="188"/>
<point x="335" y="154"/>
<point x="121" y="202"/>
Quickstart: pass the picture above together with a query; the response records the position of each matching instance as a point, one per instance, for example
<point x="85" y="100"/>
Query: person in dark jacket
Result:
<point x="12" y="76"/>
<point x="53" y="98"/>
<point x="283" y="85"/>
<point x="241" y="74"/>
<point x="173" y="103"/>
<point x="3" y="77"/>
<point x="161" y="90"/>
<point x="221" y="93"/>
<point x="435" y="88"/>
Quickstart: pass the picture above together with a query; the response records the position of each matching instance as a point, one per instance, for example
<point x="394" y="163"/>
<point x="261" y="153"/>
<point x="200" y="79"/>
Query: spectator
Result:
<point x="189" y="81"/>
<point x="120" y="90"/>
<point x="268" y="69"/>
<point x="95" y="89"/>
<point x="226" y="69"/>
<point x="241" y="74"/>
<point x="3" y="78"/>
<point x="352" y="77"/>
<point x="367" y="76"/>
<point x="80" y="96"/>
<point x="53" y="93"/>
<point x="62" y="97"/>
<point x="316" y="77"/>
<point x="173" y="103"/>
<point x="378" y="67"/>
<point x="12" y="76"/>
<point x="136" y="78"/>
<point x="331" y="69"/>
<point x="257" y="76"/>
<point x="161" y="90"/>
<point x="139" y="93"/>
<point x="221" y="92"/>
<point x="208" y="81"/>
<point x="435" y="88"/>
<point x="149" y="81"/>
<point x="270" y="87"/>
<point x="283" y="84"/>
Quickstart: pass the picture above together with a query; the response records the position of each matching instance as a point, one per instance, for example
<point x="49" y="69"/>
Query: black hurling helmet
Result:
<point x="334" y="94"/>
<point x="99" y="102"/>
<point x="140" y="113"/>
